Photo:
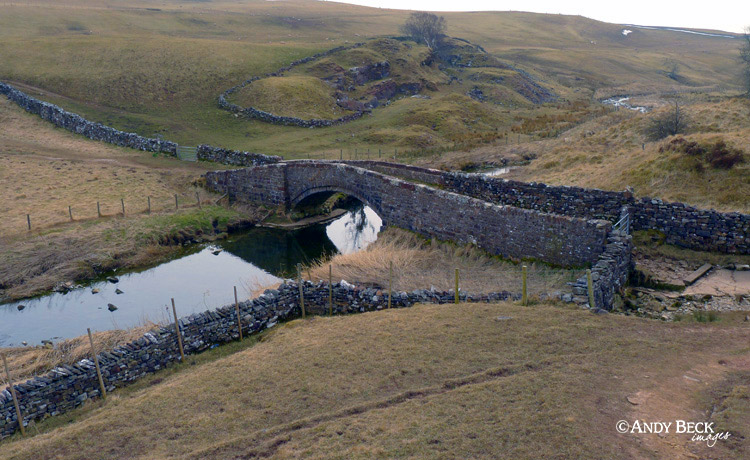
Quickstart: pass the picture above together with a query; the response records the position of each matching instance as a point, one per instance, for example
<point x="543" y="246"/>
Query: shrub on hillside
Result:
<point x="673" y="121"/>
<point x="718" y="154"/>
<point x="722" y="156"/>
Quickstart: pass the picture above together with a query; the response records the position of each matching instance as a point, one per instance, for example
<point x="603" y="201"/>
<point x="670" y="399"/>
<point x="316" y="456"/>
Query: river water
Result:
<point x="201" y="278"/>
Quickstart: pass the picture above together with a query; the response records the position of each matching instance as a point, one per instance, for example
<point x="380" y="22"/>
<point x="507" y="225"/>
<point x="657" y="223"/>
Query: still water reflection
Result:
<point x="200" y="279"/>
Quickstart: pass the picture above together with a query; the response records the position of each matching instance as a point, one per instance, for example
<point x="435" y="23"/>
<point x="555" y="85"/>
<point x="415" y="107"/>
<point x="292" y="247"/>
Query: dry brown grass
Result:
<point x="27" y="362"/>
<point x="607" y="153"/>
<point x="421" y="264"/>
<point x="426" y="382"/>
<point x="43" y="170"/>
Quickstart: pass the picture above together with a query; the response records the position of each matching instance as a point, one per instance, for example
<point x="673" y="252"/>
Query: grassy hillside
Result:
<point x="293" y="96"/>
<point x="463" y="381"/>
<point x="157" y="67"/>
<point x="44" y="170"/>
<point x="612" y="152"/>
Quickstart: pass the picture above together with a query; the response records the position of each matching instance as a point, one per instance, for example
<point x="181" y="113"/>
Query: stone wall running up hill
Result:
<point x="79" y="125"/>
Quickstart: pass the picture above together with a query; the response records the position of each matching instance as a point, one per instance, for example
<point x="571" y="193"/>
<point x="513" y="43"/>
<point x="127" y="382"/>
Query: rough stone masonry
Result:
<point x="69" y="386"/>
<point x="508" y="231"/>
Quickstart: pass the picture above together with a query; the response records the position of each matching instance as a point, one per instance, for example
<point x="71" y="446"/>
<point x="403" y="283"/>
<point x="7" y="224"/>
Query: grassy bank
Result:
<point x="422" y="264"/>
<point x="426" y="382"/>
<point x="48" y="173"/>
<point x="80" y="251"/>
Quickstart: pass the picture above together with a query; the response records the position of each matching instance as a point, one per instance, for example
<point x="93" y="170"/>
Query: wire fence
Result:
<point x="105" y="209"/>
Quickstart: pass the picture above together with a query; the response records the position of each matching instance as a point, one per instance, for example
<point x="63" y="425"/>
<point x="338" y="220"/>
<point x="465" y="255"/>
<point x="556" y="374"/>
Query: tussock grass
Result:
<point x="423" y="264"/>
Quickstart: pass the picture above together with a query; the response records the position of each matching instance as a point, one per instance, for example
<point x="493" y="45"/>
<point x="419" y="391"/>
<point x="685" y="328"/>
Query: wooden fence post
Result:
<point x="15" y="398"/>
<point x="28" y="220"/>
<point x="330" y="289"/>
<point x="239" y="319"/>
<point x="96" y="363"/>
<point x="390" y="283"/>
<point x="179" y="335"/>
<point x="342" y="154"/>
<point x="149" y="204"/>
<point x="590" y="283"/>
<point x="456" y="292"/>
<point x="524" y="294"/>
<point x="198" y="199"/>
<point x="70" y="213"/>
<point x="98" y="210"/>
<point x="301" y="290"/>
<point x="176" y="206"/>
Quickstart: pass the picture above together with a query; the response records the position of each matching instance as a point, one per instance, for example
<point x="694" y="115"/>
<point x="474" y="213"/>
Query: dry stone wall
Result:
<point x="252" y="112"/>
<point x="79" y="125"/>
<point x="234" y="157"/>
<point x="69" y="386"/>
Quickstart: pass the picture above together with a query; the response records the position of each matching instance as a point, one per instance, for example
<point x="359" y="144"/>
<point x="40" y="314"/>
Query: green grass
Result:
<point x="159" y="72"/>
<point x="293" y="96"/>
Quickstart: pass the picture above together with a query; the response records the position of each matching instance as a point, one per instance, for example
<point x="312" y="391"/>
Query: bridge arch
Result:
<point x="330" y="189"/>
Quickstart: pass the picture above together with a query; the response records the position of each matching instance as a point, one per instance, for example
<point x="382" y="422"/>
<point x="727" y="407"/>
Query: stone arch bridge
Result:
<point x="503" y="230"/>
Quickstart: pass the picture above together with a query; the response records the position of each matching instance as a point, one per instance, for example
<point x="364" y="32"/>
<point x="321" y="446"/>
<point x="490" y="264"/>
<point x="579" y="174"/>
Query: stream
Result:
<point x="200" y="278"/>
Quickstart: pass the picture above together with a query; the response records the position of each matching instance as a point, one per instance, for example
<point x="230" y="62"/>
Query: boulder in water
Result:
<point x="111" y="307"/>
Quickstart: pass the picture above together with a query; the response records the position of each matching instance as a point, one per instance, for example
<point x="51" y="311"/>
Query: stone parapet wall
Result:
<point x="69" y="386"/>
<point x="681" y="224"/>
<point x="508" y="231"/>
<point x="258" y="184"/>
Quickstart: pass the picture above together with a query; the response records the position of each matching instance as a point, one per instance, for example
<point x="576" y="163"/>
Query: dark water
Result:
<point x="198" y="280"/>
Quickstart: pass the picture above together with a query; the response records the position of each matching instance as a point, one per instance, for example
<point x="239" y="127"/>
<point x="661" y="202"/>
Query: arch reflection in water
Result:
<point x="201" y="278"/>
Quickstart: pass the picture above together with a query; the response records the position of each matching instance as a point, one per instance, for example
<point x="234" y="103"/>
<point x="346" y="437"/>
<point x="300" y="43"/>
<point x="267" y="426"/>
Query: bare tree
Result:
<point x="674" y="121"/>
<point x="745" y="59"/>
<point x="425" y="27"/>
<point x="672" y="69"/>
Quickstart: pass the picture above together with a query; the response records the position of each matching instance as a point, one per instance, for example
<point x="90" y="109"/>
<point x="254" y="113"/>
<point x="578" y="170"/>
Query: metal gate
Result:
<point x="187" y="153"/>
